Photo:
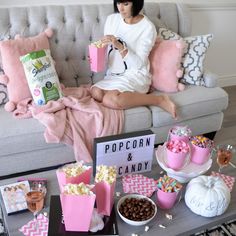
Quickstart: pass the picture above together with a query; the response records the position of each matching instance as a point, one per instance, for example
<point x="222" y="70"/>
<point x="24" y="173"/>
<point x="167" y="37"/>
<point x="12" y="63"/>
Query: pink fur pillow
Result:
<point x="14" y="77"/>
<point x="165" y="59"/>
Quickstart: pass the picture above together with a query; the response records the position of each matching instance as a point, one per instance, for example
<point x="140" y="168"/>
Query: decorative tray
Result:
<point x="184" y="175"/>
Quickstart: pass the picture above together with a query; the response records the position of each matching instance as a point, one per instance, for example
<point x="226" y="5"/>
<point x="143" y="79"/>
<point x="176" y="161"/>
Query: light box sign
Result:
<point x="129" y="152"/>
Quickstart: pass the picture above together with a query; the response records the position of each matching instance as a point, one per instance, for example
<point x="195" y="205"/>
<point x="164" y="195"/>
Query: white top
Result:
<point x="132" y="72"/>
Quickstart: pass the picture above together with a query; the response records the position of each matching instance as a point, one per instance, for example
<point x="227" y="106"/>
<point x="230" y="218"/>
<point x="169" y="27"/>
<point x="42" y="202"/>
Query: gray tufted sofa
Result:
<point x="22" y="145"/>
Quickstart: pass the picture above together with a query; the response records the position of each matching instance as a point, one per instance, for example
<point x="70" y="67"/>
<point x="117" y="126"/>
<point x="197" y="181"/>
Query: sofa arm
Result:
<point x="210" y="79"/>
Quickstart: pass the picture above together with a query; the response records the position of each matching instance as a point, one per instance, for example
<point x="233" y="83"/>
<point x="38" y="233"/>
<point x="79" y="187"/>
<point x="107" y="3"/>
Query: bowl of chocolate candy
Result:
<point x="136" y="209"/>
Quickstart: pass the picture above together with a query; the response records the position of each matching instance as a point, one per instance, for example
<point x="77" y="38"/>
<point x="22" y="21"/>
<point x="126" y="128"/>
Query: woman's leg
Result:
<point x="117" y="100"/>
<point x="97" y="93"/>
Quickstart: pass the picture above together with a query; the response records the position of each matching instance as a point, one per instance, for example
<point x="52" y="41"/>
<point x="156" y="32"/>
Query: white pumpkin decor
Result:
<point x="207" y="196"/>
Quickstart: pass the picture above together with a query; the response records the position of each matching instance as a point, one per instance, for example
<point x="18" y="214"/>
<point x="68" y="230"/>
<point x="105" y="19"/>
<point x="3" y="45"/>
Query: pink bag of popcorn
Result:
<point x="105" y="182"/>
<point x="77" y="203"/>
<point x="73" y="173"/>
<point x="97" y="55"/>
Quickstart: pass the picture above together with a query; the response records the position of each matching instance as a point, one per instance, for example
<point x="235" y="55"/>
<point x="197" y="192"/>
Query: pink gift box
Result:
<point x="104" y="197"/>
<point x="77" y="211"/>
<point x="97" y="58"/>
<point x="83" y="177"/>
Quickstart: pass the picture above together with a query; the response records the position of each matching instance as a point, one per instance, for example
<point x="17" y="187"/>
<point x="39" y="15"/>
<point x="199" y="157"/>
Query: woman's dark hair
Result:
<point x="136" y="8"/>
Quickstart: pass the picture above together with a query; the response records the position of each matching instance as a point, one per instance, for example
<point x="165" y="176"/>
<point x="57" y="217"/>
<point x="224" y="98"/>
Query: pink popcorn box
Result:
<point x="104" y="197"/>
<point x="97" y="58"/>
<point x="83" y="177"/>
<point x="77" y="211"/>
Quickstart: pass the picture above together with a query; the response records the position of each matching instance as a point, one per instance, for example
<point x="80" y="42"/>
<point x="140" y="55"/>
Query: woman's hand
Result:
<point x="111" y="39"/>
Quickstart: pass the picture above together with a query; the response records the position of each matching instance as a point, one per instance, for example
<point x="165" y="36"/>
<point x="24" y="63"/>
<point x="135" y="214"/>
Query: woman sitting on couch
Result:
<point x="130" y="37"/>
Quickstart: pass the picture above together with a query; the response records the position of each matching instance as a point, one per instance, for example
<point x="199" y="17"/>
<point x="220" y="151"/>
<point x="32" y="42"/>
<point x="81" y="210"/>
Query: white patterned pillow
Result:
<point x="3" y="88"/>
<point x="3" y="94"/>
<point x="193" y="57"/>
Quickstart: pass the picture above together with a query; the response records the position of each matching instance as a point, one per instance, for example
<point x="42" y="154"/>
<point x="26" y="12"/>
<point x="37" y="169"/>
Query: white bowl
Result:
<point x="132" y="222"/>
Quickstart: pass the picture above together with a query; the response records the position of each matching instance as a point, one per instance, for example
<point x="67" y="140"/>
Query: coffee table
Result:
<point x="184" y="221"/>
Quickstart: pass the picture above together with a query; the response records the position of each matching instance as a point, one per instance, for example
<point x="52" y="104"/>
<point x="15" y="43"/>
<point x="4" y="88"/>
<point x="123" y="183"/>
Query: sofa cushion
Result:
<point x="193" y="57"/>
<point x="20" y="135"/>
<point x="138" y="118"/>
<point x="27" y="135"/>
<point x="195" y="101"/>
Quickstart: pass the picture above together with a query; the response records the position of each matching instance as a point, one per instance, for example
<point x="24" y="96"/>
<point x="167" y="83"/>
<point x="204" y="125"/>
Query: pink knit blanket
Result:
<point x="76" y="119"/>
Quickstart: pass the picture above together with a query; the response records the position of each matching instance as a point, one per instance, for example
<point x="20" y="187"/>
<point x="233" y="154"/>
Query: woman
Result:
<point x="130" y="37"/>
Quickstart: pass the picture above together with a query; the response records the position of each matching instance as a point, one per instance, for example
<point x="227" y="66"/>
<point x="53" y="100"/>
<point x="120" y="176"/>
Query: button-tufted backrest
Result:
<point x="75" y="26"/>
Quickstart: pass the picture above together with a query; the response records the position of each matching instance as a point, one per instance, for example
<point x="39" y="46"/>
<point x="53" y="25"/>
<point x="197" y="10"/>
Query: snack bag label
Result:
<point x="41" y="76"/>
<point x="50" y="92"/>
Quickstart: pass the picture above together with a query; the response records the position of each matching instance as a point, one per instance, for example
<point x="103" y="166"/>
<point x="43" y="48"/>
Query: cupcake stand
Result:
<point x="184" y="175"/>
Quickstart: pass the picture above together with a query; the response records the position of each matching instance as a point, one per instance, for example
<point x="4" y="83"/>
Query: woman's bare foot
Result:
<point x="166" y="104"/>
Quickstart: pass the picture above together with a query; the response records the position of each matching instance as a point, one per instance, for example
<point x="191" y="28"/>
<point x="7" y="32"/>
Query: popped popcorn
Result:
<point x="98" y="44"/>
<point x="177" y="146"/>
<point x="75" y="169"/>
<point x="78" y="189"/>
<point x="106" y="174"/>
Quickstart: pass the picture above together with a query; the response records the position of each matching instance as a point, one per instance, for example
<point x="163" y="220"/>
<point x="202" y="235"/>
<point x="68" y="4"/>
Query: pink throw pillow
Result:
<point x="14" y="77"/>
<point x="165" y="59"/>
